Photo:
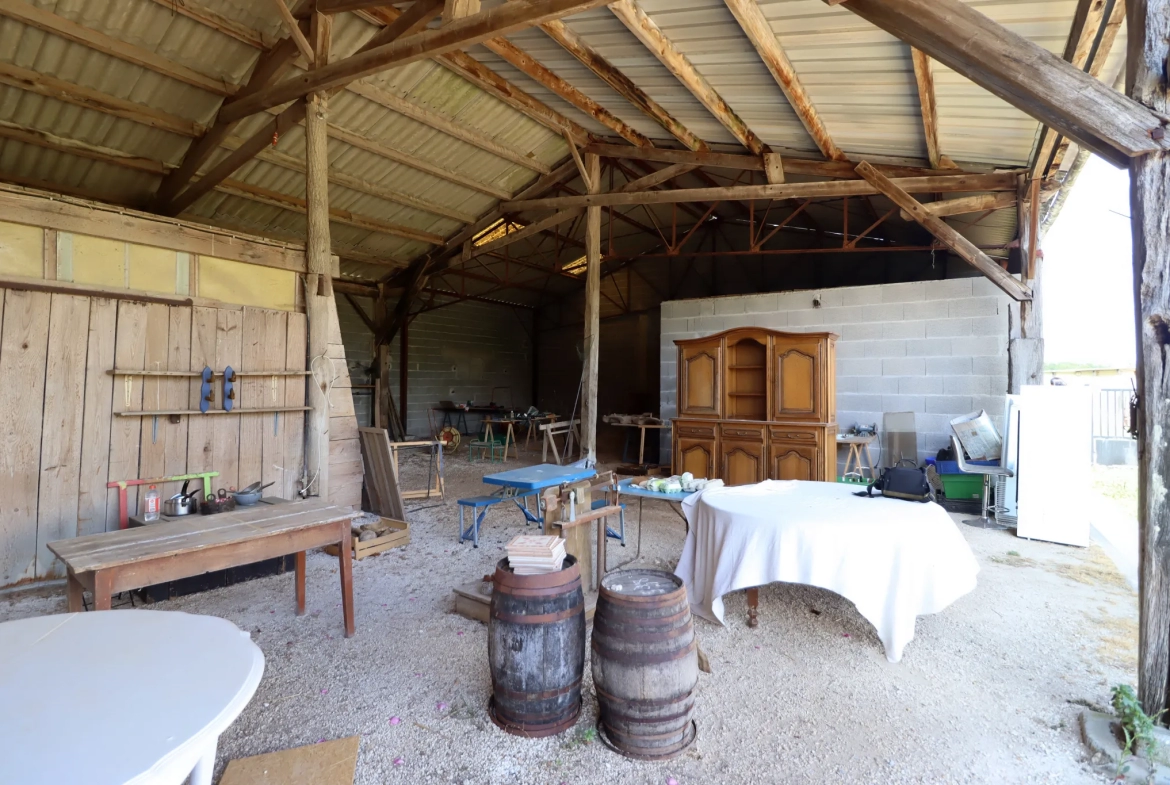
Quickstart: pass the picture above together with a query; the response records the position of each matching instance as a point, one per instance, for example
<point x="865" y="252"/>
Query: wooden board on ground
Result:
<point x="325" y="763"/>
<point x="471" y="603"/>
<point x="395" y="534"/>
<point x="381" y="479"/>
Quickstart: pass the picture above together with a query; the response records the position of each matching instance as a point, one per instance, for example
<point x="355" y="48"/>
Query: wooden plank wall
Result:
<point x="60" y="438"/>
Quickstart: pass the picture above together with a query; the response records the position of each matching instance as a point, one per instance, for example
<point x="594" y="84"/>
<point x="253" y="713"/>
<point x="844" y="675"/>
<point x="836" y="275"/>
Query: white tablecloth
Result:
<point x="895" y="559"/>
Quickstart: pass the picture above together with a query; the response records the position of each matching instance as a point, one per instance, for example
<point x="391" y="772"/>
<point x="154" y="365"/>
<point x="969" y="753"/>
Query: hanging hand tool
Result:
<point x="229" y="388"/>
<point x="205" y="391"/>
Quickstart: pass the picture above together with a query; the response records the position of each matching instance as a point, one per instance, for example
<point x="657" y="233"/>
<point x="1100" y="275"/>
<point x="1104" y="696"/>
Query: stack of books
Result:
<point x="535" y="555"/>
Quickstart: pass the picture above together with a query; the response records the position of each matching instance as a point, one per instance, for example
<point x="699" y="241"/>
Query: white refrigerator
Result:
<point x="1055" y="452"/>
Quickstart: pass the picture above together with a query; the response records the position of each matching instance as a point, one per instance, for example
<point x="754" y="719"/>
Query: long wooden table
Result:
<point x="112" y="562"/>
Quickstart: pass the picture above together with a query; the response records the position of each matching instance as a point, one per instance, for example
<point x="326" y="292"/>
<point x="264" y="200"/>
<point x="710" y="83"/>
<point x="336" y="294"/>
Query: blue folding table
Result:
<point x="518" y="485"/>
<point x="627" y="488"/>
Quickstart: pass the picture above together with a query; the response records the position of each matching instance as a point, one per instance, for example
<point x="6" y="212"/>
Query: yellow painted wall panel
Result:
<point x="99" y="262"/>
<point x="152" y="269"/>
<point x="22" y="250"/>
<point x="247" y="284"/>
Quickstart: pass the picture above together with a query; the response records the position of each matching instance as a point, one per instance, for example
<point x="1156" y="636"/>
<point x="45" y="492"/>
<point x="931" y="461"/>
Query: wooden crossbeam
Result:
<point x="293" y="29"/>
<point x="622" y="84"/>
<point x="1022" y="73"/>
<point x="799" y="166"/>
<point x="945" y="233"/>
<point x="837" y="188"/>
<point x="929" y="107"/>
<point x="760" y="33"/>
<point x="645" y="30"/>
<point x="413" y="20"/>
<point x="657" y="178"/>
<point x="556" y="219"/>
<point x="459" y="34"/>
<point x="528" y="65"/>
<point x="980" y="203"/>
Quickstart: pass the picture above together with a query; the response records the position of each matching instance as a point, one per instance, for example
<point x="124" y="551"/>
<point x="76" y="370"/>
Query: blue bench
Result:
<point x="479" y="506"/>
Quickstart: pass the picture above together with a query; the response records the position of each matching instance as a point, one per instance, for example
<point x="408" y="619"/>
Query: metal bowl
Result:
<point x="247" y="499"/>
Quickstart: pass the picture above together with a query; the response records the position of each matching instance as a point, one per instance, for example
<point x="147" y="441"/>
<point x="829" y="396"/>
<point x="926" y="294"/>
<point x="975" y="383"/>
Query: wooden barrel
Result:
<point x="645" y="664"/>
<point x="536" y="650"/>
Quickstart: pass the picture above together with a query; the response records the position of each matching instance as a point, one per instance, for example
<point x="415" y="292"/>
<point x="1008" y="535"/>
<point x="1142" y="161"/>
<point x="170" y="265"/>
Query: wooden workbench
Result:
<point x="117" y="561"/>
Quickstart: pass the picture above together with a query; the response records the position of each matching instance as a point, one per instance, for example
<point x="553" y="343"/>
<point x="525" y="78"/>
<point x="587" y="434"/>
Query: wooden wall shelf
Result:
<point x="176" y="412"/>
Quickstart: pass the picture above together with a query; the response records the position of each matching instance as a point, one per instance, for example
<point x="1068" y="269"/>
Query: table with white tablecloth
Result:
<point x="894" y="559"/>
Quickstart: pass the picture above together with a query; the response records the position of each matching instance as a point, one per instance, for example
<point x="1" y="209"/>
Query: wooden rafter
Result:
<point x="459" y="34"/>
<point x="1094" y="21"/>
<point x="837" y="169"/>
<point x="924" y="77"/>
<point x="1022" y="73"/>
<point x="440" y="123"/>
<point x="945" y="233"/>
<point x="836" y="188"/>
<point x="645" y="30"/>
<point x="763" y="38"/>
<point x="294" y="31"/>
<point x="528" y="65"/>
<point x="406" y="24"/>
<point x="968" y="204"/>
<point x="59" y="89"/>
<point x="622" y="84"/>
<point x="57" y="25"/>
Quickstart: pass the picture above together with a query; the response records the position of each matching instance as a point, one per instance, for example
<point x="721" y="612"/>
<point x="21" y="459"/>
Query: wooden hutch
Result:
<point x="756" y="404"/>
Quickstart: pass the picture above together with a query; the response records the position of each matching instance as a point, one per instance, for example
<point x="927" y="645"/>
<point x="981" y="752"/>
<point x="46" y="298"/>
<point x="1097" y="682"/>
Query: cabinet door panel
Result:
<point x="696" y="456"/>
<point x="793" y="461"/>
<point x="742" y="462"/>
<point x="699" y="375"/>
<point x="796" y="390"/>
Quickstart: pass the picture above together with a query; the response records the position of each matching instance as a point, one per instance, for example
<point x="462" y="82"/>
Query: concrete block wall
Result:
<point x="462" y="352"/>
<point x="935" y="348"/>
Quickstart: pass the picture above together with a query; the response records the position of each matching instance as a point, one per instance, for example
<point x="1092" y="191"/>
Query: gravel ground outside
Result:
<point x="989" y="691"/>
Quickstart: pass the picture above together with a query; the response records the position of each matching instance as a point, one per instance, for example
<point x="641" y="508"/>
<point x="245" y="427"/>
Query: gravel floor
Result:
<point x="988" y="692"/>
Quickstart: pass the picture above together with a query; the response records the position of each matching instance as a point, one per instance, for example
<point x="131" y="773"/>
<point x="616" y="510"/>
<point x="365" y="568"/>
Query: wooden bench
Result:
<point x="117" y="561"/>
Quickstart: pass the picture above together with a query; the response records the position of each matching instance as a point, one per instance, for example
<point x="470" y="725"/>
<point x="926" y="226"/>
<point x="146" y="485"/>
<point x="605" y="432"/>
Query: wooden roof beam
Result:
<point x="829" y="189"/>
<point x="294" y="31"/>
<point x="415" y="19"/>
<point x="1094" y="19"/>
<point x="492" y="83"/>
<point x="652" y="37"/>
<point x="1022" y="73"/>
<point x="501" y="20"/>
<point x="979" y="203"/>
<point x="792" y="166"/>
<point x="622" y="84"/>
<point x="929" y="107"/>
<point x="946" y="234"/>
<point x="528" y="65"/>
<point x="763" y="38"/>
<point x="296" y="204"/>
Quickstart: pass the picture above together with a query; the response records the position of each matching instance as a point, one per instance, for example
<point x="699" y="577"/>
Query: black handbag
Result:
<point x="899" y="482"/>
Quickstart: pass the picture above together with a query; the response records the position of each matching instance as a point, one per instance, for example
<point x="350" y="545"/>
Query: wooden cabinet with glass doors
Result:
<point x="757" y="404"/>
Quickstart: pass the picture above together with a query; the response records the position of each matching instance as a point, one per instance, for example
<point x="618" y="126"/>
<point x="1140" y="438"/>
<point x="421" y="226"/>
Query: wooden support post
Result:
<point x="1025" y="325"/>
<point x="382" y="418"/>
<point x="318" y="288"/>
<point x="403" y="373"/>
<point x="1149" y="34"/>
<point x="592" y="313"/>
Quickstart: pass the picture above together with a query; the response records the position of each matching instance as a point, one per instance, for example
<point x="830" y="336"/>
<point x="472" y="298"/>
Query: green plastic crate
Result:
<point x="963" y="486"/>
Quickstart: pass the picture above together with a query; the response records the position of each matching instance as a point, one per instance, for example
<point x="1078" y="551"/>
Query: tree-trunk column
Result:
<point x="592" y="313"/>
<point x="1149" y="34"/>
<point x="319" y="291"/>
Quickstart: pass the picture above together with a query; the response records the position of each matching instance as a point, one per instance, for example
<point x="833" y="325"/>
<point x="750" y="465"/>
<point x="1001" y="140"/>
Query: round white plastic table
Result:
<point x="119" y="697"/>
